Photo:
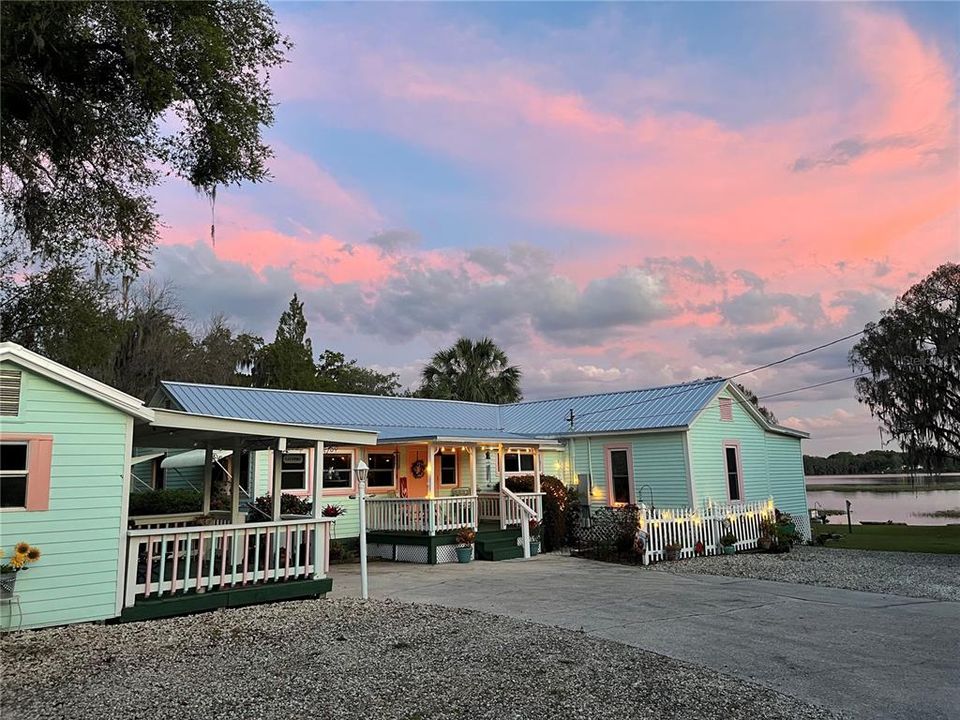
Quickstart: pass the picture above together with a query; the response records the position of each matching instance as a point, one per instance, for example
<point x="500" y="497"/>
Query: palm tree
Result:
<point x="477" y="371"/>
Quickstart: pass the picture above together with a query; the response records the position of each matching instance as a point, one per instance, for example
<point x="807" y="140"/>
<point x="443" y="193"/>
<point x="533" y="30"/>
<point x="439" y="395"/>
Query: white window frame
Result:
<point x="518" y="454"/>
<point x="608" y="450"/>
<point x="741" y="489"/>
<point x="304" y="470"/>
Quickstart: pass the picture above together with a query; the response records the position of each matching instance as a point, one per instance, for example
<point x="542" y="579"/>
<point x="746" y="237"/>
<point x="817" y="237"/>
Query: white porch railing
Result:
<point x="511" y="512"/>
<point x="488" y="506"/>
<point x="171" y="520"/>
<point x="421" y="515"/>
<point x="164" y="562"/>
<point x="687" y="527"/>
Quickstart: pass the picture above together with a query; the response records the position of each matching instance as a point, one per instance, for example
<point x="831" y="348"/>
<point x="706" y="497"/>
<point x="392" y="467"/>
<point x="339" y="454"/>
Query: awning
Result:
<point x="191" y="458"/>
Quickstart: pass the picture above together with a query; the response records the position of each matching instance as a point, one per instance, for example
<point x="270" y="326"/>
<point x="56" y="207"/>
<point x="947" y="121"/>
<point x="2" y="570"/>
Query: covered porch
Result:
<point x="185" y="562"/>
<point x="418" y="520"/>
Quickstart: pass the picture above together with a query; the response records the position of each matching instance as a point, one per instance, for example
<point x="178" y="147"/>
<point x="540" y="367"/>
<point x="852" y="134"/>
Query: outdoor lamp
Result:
<point x="362" y="470"/>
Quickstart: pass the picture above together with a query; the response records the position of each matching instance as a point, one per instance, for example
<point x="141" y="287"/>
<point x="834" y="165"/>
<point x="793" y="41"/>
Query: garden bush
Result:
<point x="165" y="502"/>
<point x="289" y="505"/>
<point x="556" y="506"/>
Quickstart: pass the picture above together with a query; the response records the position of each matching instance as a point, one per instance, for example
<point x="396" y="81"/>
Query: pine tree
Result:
<point x="287" y="363"/>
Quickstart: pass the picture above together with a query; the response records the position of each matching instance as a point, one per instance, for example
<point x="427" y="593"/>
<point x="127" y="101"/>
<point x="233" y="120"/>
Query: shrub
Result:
<point x="165" y="502"/>
<point x="728" y="539"/>
<point x="289" y="505"/>
<point x="466" y="537"/>
<point x="557" y="500"/>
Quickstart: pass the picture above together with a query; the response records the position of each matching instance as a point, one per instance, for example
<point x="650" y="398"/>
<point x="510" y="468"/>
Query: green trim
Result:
<point x="203" y="602"/>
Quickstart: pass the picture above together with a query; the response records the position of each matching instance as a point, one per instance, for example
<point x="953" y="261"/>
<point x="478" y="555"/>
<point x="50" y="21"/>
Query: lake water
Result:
<point x="919" y="495"/>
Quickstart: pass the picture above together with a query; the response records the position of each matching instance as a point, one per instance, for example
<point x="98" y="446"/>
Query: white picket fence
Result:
<point x="686" y="527"/>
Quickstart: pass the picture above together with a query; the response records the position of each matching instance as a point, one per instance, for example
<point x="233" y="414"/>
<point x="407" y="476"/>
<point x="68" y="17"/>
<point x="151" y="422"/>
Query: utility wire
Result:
<point x="810" y="387"/>
<point x="691" y="386"/>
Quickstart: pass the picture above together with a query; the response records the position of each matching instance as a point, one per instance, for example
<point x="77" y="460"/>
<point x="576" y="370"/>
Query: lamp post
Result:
<point x="362" y="471"/>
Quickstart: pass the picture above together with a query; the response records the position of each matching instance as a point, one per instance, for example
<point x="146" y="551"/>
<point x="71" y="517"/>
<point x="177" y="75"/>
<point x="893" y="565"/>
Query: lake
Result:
<point x="918" y="495"/>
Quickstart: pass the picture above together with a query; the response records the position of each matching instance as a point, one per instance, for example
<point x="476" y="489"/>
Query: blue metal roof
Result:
<point x="408" y="418"/>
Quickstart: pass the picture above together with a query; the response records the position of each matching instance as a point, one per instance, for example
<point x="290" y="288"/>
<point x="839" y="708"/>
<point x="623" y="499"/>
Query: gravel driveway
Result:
<point x="343" y="659"/>
<point x="922" y="575"/>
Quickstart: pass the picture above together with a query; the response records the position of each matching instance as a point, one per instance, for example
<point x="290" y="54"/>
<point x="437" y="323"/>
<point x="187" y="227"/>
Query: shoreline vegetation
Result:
<point x="882" y="487"/>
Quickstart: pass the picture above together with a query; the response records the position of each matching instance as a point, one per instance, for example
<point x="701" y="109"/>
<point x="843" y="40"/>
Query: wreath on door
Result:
<point x="419" y="468"/>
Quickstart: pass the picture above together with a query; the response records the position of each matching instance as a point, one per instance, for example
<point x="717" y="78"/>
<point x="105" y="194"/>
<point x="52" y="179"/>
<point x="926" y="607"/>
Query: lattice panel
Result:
<point x="380" y="550"/>
<point x="412" y="554"/>
<point x="448" y="553"/>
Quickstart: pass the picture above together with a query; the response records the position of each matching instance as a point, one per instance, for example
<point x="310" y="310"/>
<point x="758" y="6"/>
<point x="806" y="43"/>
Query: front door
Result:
<point x="416" y="486"/>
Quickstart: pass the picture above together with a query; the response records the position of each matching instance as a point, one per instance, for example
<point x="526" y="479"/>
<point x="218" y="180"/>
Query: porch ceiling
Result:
<point x="175" y="429"/>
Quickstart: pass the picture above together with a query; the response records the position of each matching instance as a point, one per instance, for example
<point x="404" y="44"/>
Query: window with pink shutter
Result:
<point x="25" y="472"/>
<point x="726" y="409"/>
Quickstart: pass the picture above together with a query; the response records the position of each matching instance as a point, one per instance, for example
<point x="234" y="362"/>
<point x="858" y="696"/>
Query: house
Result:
<point x="67" y="444"/>
<point x="74" y="449"/>
<point x="438" y="464"/>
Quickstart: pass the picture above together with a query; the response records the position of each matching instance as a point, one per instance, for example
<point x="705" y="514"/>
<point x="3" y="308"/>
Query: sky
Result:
<point x="621" y="196"/>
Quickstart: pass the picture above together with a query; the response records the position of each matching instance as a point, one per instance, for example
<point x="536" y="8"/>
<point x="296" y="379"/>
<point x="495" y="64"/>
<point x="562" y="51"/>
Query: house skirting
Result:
<point x="237" y="597"/>
<point x="413" y="548"/>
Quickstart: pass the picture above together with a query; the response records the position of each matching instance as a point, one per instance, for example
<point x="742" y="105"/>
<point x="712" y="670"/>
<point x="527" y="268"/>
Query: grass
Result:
<point x="903" y="538"/>
<point x="883" y="487"/>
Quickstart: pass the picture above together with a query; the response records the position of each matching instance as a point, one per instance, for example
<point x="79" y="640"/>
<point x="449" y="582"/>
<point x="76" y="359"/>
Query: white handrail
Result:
<point x="529" y="512"/>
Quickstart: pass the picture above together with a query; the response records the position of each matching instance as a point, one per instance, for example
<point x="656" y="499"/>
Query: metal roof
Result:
<point x="409" y="418"/>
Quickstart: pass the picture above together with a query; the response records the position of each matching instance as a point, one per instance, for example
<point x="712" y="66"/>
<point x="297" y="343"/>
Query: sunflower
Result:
<point x="18" y="561"/>
<point x="21" y="548"/>
<point x="33" y="554"/>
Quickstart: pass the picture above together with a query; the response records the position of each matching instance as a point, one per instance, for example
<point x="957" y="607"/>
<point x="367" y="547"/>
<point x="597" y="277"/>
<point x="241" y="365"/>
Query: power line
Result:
<point x="691" y="386"/>
<point x="810" y="387"/>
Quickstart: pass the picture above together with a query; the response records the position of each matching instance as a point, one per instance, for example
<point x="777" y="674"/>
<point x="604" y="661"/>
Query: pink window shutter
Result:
<point x="38" y="478"/>
<point x="726" y="409"/>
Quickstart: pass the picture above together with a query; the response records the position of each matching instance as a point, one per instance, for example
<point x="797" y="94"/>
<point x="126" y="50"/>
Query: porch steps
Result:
<point x="492" y="543"/>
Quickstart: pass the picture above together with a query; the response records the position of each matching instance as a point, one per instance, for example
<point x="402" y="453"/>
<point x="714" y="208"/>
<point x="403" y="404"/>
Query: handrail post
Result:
<point x="431" y="517"/>
<point x="525" y="533"/>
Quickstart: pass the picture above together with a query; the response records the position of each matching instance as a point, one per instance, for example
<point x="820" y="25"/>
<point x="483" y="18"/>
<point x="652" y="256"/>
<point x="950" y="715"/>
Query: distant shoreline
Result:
<point x="880" y="476"/>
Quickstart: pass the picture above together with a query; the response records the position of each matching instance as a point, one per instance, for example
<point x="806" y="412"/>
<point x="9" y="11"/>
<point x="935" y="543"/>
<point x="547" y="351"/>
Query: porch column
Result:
<point x="501" y="470"/>
<point x="431" y="483"/>
<point x="235" y="476"/>
<point x="317" y="477"/>
<point x="207" y="478"/>
<point x="472" y="458"/>
<point x="537" y="504"/>
<point x="277" y="466"/>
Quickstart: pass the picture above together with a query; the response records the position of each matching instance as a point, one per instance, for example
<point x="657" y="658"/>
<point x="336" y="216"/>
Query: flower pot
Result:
<point x="729" y="549"/>
<point x="671" y="554"/>
<point x="7" y="583"/>
<point x="464" y="554"/>
<point x="534" y="547"/>
<point x="764" y="543"/>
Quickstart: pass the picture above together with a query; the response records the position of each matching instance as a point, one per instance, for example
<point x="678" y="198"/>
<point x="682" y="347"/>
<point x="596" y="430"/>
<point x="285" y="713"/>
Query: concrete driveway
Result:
<point x="873" y="656"/>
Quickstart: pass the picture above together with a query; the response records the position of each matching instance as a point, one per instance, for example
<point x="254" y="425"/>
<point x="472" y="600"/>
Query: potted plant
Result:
<point x="534" y="537"/>
<point x="465" y="539"/>
<point x="23" y="553"/>
<point x="767" y="532"/>
<point x="672" y="551"/>
<point x="333" y="511"/>
<point x="729" y="543"/>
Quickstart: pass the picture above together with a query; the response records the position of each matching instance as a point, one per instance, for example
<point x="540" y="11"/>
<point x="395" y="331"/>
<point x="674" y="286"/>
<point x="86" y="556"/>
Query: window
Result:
<point x="13" y="475"/>
<point x="338" y="471"/>
<point x="732" y="459"/>
<point x="448" y="469"/>
<point x="618" y="468"/>
<point x="293" y="471"/>
<point x="382" y="466"/>
<point x="726" y="409"/>
<point x="9" y="393"/>
<point x="518" y="462"/>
